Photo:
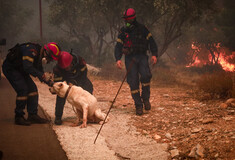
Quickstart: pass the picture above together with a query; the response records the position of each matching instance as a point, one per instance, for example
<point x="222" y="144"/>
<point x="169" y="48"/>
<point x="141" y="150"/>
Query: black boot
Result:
<point x="58" y="121"/>
<point x="20" y="120"/>
<point x="34" y="118"/>
<point x="139" y="110"/>
<point x="147" y="105"/>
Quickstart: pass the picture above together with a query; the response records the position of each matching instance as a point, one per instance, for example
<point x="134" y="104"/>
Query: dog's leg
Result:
<point x="85" y="113"/>
<point x="78" y="120"/>
<point x="101" y="116"/>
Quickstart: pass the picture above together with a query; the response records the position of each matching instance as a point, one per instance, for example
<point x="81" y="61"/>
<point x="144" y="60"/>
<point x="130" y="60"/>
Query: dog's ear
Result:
<point x="65" y="82"/>
<point x="61" y="84"/>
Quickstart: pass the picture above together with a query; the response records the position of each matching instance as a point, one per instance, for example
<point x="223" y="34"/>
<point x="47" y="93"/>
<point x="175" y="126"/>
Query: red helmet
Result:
<point x="129" y="14"/>
<point x="52" y="50"/>
<point x="65" y="59"/>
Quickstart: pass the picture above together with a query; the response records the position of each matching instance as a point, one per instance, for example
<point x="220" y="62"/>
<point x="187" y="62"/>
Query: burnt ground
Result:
<point x="178" y="118"/>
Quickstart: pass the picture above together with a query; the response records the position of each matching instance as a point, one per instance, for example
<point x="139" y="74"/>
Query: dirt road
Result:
<point x="36" y="142"/>
<point x="118" y="139"/>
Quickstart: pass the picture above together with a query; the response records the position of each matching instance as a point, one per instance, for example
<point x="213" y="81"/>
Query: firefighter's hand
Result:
<point x="49" y="83"/>
<point x="154" y="59"/>
<point x="119" y="64"/>
<point x="46" y="77"/>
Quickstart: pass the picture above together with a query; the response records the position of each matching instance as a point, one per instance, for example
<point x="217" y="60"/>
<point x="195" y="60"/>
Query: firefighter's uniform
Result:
<point x="77" y="75"/>
<point x="21" y="62"/>
<point x="134" y="43"/>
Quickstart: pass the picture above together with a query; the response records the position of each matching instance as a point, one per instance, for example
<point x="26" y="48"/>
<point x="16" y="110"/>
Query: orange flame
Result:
<point x="222" y="60"/>
<point x="224" y="63"/>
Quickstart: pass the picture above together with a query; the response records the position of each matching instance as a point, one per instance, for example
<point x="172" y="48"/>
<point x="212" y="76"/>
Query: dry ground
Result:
<point x="179" y="119"/>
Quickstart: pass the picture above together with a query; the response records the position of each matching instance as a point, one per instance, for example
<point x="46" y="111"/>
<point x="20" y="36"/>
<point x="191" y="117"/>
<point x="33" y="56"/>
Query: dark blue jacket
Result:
<point x="26" y="58"/>
<point x="78" y="71"/>
<point x="140" y="38"/>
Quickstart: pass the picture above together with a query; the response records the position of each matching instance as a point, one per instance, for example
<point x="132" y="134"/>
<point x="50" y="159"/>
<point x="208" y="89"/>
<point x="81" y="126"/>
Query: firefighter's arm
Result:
<point x="28" y="59"/>
<point x="28" y="56"/>
<point x="82" y="65"/>
<point x="152" y="44"/>
<point x="57" y="74"/>
<point x="118" y="47"/>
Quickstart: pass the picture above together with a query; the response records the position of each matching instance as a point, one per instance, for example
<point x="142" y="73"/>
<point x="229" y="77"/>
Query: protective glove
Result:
<point x="47" y="79"/>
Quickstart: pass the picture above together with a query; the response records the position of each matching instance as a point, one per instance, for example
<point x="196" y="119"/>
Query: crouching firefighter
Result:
<point x="72" y="69"/>
<point x="134" y="40"/>
<point x="22" y="61"/>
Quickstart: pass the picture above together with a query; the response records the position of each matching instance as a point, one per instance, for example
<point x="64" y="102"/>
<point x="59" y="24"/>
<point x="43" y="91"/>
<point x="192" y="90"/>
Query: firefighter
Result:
<point x="22" y="61"/>
<point x="133" y="41"/>
<point x="72" y="69"/>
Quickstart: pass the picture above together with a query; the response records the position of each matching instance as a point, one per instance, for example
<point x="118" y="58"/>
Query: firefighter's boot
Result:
<point x="147" y="105"/>
<point x="58" y="121"/>
<point x="139" y="110"/>
<point x="20" y="120"/>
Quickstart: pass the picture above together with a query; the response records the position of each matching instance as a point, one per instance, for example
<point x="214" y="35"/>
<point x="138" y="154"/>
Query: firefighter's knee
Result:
<point x="22" y="92"/>
<point x="146" y="78"/>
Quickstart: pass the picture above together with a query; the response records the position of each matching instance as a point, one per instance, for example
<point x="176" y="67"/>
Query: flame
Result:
<point x="224" y="62"/>
<point x="196" y="63"/>
<point x="223" y="59"/>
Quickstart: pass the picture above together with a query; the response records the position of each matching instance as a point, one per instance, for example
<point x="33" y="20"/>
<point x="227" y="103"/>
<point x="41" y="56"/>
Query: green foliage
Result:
<point x="217" y="84"/>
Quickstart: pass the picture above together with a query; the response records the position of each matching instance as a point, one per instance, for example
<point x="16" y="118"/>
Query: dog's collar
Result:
<point x="67" y="92"/>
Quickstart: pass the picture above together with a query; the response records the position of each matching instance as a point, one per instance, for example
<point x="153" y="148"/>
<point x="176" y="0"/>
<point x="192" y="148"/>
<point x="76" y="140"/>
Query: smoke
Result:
<point x="20" y="22"/>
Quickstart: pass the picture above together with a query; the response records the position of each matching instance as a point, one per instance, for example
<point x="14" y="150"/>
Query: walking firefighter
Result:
<point x="133" y="41"/>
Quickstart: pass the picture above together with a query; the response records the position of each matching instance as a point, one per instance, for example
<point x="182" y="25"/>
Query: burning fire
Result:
<point x="224" y="63"/>
<point x="221" y="56"/>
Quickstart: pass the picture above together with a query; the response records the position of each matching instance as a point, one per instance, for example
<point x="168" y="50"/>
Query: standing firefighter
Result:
<point x="134" y="40"/>
<point x="73" y="70"/>
<point x="22" y="61"/>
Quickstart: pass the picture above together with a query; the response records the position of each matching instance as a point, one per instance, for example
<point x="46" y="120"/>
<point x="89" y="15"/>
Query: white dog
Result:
<point x="84" y="102"/>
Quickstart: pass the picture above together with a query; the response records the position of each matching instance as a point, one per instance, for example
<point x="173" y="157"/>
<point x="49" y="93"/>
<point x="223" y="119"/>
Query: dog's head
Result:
<point x="59" y="88"/>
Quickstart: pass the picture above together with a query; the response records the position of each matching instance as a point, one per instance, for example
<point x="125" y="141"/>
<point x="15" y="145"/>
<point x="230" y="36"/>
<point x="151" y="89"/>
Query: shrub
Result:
<point x="160" y="75"/>
<point x="111" y="72"/>
<point x="163" y="76"/>
<point x="206" y="68"/>
<point x="217" y="84"/>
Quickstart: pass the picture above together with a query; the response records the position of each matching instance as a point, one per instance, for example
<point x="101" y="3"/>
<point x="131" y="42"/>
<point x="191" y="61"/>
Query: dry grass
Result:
<point x="164" y="76"/>
<point x="111" y="72"/>
<point x="160" y="75"/>
<point x="217" y="84"/>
